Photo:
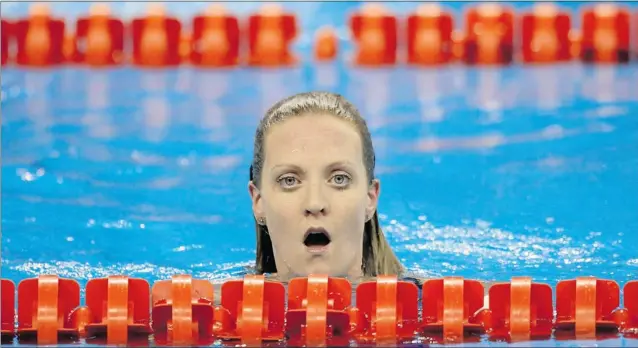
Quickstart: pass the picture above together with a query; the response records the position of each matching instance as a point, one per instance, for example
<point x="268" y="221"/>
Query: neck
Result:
<point x="354" y="276"/>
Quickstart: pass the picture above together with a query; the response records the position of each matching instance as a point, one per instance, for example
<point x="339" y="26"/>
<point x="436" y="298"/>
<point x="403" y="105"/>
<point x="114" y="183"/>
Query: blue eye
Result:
<point x="287" y="181"/>
<point x="341" y="179"/>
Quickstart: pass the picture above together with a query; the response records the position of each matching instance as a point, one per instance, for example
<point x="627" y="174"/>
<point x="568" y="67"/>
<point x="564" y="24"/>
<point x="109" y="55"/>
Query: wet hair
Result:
<point x="378" y="257"/>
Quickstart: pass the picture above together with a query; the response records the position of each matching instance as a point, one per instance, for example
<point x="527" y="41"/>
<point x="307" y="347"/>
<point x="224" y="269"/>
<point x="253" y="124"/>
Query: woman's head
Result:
<point x="314" y="192"/>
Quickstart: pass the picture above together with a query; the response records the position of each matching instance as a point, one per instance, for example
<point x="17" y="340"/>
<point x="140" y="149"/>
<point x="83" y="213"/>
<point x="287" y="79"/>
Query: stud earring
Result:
<point x="261" y="221"/>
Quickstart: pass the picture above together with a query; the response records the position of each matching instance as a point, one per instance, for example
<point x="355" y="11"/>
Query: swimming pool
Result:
<point x="487" y="173"/>
<point x="148" y="179"/>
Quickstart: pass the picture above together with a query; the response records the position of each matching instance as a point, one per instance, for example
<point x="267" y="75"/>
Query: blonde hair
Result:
<point x="378" y="258"/>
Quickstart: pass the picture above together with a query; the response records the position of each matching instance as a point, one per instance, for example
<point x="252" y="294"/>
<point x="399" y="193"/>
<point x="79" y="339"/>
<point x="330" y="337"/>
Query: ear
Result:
<point x="255" y="196"/>
<point x="374" y="190"/>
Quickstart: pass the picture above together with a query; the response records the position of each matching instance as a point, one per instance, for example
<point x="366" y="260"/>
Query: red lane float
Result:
<point x="586" y="305"/>
<point x="430" y="36"/>
<point x="387" y="310"/>
<point x="7" y="312"/>
<point x="545" y="35"/>
<point x="183" y="311"/>
<point x="630" y="322"/>
<point x="521" y="310"/>
<point x="489" y="39"/>
<point x="159" y="40"/>
<point x="6" y="35"/>
<point x="99" y="38"/>
<point x="252" y="310"/>
<point x="45" y="305"/>
<point x="451" y="307"/>
<point x="270" y="34"/>
<point x="156" y="39"/>
<point x="318" y="310"/>
<point x="39" y="38"/>
<point x="605" y="34"/>
<point x="215" y="38"/>
<point x="119" y="308"/>
<point x="374" y="32"/>
<point x="326" y="44"/>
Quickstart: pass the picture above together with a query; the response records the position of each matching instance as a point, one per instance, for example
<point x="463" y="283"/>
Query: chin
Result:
<point x="318" y="269"/>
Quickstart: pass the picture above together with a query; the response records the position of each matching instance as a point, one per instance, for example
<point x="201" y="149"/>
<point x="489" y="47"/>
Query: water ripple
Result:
<point x="145" y="172"/>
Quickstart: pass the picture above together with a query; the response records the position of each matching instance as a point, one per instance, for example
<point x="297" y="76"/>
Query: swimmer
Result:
<point x="314" y="194"/>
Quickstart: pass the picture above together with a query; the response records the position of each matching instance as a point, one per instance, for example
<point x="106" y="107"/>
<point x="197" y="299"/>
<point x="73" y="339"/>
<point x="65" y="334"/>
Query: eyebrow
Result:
<point x="286" y="165"/>
<point x="340" y="164"/>
<point x="296" y="167"/>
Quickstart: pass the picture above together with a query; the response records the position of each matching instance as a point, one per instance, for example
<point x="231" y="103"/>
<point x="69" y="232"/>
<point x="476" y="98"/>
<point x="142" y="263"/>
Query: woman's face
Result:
<point x="315" y="196"/>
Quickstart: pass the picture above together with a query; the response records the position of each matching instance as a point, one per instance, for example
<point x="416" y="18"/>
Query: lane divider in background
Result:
<point x="215" y="39"/>
<point x="546" y="34"/>
<point x="39" y="38"/>
<point x="375" y="33"/>
<point x="99" y="38"/>
<point x="156" y="39"/>
<point x="326" y="47"/>
<point x="430" y="36"/>
<point x="316" y="310"/>
<point x="491" y="34"/>
<point x="270" y="34"/>
<point x="605" y="34"/>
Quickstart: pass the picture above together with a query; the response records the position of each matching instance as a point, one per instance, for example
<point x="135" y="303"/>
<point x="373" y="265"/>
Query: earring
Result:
<point x="261" y="221"/>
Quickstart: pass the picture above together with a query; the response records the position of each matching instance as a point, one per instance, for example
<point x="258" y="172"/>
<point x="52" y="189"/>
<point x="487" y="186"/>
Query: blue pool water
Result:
<point x="486" y="173"/>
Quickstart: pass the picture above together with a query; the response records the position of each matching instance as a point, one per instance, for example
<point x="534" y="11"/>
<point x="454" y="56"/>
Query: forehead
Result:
<point x="316" y="135"/>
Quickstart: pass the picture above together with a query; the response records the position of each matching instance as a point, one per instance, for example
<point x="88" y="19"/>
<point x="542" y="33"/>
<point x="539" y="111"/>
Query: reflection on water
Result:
<point x="326" y="76"/>
<point x="97" y="99"/>
<point x="522" y="170"/>
<point x="430" y="88"/>
<point x="552" y="89"/>
<point x="155" y="107"/>
<point x="608" y="84"/>
<point x="157" y="116"/>
<point x="208" y="85"/>
<point x="490" y="89"/>
<point x="274" y="86"/>
<point x="38" y="110"/>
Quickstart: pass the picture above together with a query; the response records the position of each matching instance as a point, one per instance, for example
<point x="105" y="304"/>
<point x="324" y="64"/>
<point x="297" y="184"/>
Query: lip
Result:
<point x="316" y="249"/>
<point x="316" y="230"/>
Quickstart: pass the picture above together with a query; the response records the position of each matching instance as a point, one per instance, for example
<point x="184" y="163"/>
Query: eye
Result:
<point x="340" y="179"/>
<point x="287" y="181"/>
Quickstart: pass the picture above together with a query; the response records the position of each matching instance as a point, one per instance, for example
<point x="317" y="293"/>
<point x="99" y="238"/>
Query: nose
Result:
<point x="316" y="203"/>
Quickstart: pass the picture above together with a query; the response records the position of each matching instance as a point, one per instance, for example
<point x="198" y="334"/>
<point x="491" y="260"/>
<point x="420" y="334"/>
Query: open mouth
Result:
<point x="316" y="238"/>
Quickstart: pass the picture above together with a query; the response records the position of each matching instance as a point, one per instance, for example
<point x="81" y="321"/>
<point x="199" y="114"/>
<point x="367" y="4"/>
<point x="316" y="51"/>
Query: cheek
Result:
<point x="280" y="206"/>
<point x="356" y="204"/>
<point x="282" y="212"/>
<point x="350" y="214"/>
